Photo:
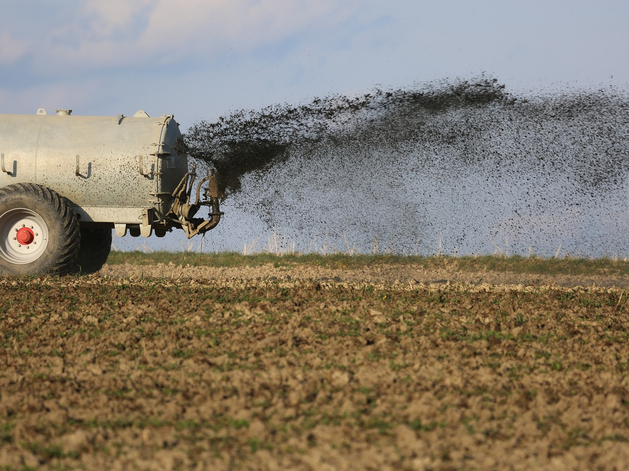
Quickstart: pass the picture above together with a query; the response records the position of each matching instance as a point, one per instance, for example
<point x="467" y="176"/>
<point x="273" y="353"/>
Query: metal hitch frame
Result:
<point x="183" y="212"/>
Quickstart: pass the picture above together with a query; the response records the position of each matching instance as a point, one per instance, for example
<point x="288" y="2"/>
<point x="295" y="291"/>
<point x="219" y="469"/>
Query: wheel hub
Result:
<point x="25" y="236"/>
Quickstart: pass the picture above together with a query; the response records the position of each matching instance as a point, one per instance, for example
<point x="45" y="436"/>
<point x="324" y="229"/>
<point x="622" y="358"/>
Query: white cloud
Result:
<point x="206" y="55"/>
<point x="239" y="26"/>
<point x="107" y="19"/>
<point x="122" y="33"/>
<point x="11" y="48"/>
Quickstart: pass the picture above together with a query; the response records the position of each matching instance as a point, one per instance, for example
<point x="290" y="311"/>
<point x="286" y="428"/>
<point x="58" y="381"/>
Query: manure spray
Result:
<point x="455" y="167"/>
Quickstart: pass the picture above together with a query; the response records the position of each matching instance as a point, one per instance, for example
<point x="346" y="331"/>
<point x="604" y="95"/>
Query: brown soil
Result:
<point x="391" y="367"/>
<point x="379" y="274"/>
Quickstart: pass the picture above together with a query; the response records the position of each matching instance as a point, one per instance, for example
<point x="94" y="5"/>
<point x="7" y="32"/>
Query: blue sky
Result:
<point x="200" y="59"/>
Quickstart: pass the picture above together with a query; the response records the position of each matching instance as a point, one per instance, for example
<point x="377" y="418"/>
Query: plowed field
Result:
<point x="389" y="368"/>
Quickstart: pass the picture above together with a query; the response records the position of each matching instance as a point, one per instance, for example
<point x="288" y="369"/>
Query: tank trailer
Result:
<point x="67" y="181"/>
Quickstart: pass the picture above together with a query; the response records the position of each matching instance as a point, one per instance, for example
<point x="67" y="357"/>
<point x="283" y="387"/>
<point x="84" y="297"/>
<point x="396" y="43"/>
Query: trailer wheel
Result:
<point x="39" y="232"/>
<point x="94" y="250"/>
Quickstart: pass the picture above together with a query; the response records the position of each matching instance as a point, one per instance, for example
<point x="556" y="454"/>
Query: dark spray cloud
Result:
<point x="451" y="167"/>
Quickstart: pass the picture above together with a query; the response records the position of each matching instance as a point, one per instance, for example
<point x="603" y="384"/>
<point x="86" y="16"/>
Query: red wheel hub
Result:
<point x="25" y="236"/>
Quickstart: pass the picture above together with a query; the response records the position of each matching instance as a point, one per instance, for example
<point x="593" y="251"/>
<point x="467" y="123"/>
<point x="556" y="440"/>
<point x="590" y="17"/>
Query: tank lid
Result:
<point x="64" y="112"/>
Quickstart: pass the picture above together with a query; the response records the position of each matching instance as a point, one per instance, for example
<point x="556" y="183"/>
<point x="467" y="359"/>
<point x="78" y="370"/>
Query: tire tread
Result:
<point x="71" y="234"/>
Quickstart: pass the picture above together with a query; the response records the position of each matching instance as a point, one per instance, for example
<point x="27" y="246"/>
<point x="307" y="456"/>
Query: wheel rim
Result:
<point x="23" y="236"/>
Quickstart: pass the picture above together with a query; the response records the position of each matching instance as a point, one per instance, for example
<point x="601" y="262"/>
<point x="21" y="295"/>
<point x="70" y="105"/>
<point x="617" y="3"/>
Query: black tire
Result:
<point x="39" y="232"/>
<point x="94" y="250"/>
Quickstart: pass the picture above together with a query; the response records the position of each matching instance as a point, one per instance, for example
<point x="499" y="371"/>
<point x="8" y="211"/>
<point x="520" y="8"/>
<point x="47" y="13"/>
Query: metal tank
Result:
<point x="67" y="181"/>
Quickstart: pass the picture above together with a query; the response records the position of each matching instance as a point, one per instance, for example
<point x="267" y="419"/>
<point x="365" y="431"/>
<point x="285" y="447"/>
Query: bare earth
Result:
<point x="387" y="368"/>
<point x="379" y="275"/>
